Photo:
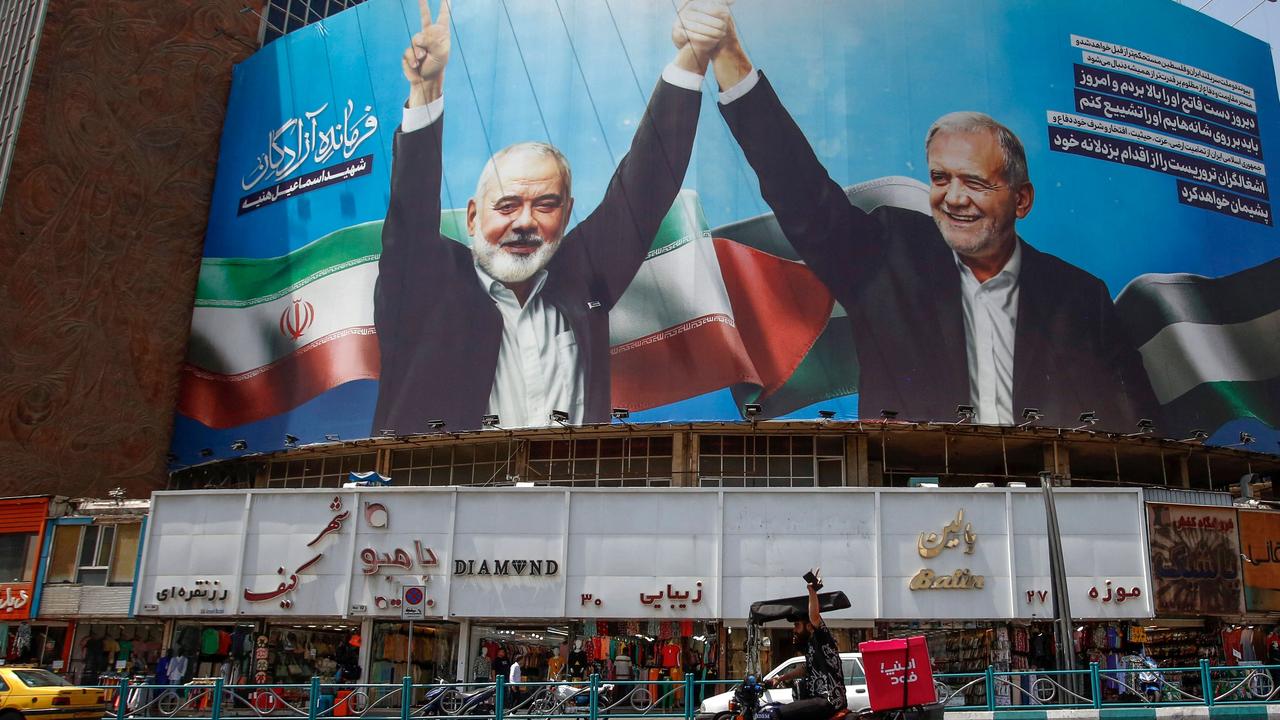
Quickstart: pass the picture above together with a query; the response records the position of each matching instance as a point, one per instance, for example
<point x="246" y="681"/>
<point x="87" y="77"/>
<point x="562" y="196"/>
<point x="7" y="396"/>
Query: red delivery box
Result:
<point x="898" y="673"/>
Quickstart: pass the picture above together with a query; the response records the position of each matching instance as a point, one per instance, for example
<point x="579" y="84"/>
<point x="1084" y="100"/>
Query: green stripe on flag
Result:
<point x="1210" y="405"/>
<point x="683" y="224"/>
<point x="829" y="370"/>
<point x="242" y="282"/>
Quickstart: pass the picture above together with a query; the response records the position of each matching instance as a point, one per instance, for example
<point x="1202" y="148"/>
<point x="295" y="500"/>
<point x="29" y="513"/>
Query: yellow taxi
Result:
<point x="27" y="692"/>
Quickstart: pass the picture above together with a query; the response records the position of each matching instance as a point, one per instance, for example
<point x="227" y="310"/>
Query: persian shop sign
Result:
<point x="932" y="544"/>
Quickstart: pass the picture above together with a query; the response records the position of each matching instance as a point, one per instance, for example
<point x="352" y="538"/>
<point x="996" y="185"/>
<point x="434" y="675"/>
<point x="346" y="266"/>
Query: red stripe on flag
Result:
<point x="222" y="401"/>
<point x="677" y="363"/>
<point x="780" y="308"/>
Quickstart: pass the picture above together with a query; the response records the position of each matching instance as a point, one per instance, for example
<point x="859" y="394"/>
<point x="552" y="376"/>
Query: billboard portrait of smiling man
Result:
<point x="517" y="325"/>
<point x="949" y="309"/>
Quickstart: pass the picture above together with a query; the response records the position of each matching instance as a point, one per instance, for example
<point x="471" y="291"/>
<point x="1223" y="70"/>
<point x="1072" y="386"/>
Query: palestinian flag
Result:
<point x="1210" y="345"/>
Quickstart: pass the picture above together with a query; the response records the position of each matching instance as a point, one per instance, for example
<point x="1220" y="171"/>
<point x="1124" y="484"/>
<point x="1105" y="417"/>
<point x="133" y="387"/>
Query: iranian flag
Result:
<point x="711" y="308"/>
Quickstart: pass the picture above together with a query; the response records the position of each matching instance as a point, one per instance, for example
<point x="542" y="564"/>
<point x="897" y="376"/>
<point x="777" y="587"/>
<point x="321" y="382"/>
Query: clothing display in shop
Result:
<point x="177" y="669"/>
<point x="480" y="667"/>
<point x="555" y="666"/>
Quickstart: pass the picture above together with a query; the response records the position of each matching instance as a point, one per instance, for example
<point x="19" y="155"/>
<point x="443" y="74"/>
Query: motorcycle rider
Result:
<point x="819" y="691"/>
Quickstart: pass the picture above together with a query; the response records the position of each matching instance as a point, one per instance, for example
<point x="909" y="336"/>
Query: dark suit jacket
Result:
<point x="438" y="329"/>
<point x="897" y="278"/>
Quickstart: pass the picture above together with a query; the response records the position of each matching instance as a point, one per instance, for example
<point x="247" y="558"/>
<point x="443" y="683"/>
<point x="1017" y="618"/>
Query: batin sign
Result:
<point x="932" y="544"/>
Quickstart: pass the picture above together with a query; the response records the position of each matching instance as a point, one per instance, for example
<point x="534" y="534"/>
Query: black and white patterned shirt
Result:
<point x="824" y="677"/>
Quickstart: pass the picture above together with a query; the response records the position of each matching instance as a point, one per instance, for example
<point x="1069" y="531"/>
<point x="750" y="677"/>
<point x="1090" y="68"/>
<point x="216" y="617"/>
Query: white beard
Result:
<point x="506" y="267"/>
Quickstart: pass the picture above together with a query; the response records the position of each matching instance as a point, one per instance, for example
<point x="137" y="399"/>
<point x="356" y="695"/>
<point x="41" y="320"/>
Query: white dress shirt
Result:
<point x="990" y="325"/>
<point x="538" y="369"/>
<point x="538" y="360"/>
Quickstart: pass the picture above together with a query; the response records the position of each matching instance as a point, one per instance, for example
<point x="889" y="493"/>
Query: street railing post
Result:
<point x="690" y="699"/>
<point x="499" y="697"/>
<point x="595" y="697"/>
<point x="991" y="688"/>
<point x="122" y="699"/>
<point x="313" y="704"/>
<point x="1206" y="682"/>
<point x="1095" y="684"/>
<point x="406" y="697"/>
<point x="216" y="705"/>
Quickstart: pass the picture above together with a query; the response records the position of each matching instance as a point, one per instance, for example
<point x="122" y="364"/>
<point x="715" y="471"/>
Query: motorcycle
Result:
<point x="571" y="699"/>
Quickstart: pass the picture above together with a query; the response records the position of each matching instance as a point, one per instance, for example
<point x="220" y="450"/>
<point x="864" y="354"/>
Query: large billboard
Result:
<point x="539" y="211"/>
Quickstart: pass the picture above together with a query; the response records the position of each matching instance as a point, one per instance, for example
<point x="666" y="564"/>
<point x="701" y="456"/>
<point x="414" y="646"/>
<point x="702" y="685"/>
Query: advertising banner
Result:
<point x="1260" y="548"/>
<point x="529" y="209"/>
<point x="1195" y="560"/>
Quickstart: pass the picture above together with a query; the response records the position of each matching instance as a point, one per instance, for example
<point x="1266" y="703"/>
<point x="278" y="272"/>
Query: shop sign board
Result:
<point x="1260" y="551"/>
<point x="15" y="600"/>
<point x="1195" y="560"/>
<point x="665" y="554"/>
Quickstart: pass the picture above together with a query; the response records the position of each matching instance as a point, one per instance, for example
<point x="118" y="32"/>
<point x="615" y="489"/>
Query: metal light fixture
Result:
<point x="290" y="440"/>
<point x="965" y="413"/>
<point x="239" y="445"/>
<point x="559" y="416"/>
<point x="620" y="413"/>
<point x="1088" y="418"/>
<point x="1197" y="436"/>
<point x="1146" y="426"/>
<point x="1030" y="416"/>
<point x="888" y="414"/>
<point x="827" y="414"/>
<point x="435" y="424"/>
<point x="489" y="421"/>
<point x="1247" y="438"/>
<point x="751" y="411"/>
<point x="332" y="437"/>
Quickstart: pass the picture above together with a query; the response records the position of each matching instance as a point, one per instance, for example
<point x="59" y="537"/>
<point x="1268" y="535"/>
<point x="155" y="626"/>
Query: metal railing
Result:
<point x="596" y="699"/>
<point x="1099" y="687"/>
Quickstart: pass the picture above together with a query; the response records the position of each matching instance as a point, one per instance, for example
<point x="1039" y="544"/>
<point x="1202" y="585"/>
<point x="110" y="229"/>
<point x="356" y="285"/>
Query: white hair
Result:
<point x="490" y="172"/>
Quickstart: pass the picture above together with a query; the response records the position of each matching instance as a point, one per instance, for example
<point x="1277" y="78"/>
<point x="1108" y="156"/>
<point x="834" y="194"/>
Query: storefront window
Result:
<point x="211" y="650"/>
<point x="432" y="653"/>
<point x="661" y="651"/>
<point x="771" y="460"/>
<point x="100" y="648"/>
<point x="300" y="651"/>
<point x="602" y="462"/>
<point x="17" y="557"/>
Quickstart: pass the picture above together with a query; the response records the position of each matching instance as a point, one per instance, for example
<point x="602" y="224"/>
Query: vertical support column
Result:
<point x="595" y="698"/>
<point x="500" y="698"/>
<point x="464" y="651"/>
<point x="990" y="688"/>
<point x="1095" y="684"/>
<point x="855" y="461"/>
<point x="684" y="460"/>
<point x="1057" y="461"/>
